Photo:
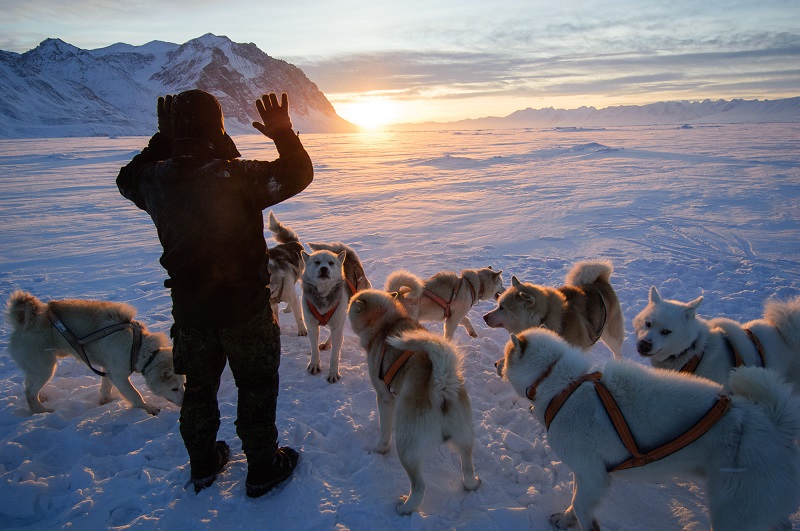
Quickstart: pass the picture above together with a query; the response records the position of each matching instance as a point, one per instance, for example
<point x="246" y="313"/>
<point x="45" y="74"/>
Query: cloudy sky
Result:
<point x="443" y="60"/>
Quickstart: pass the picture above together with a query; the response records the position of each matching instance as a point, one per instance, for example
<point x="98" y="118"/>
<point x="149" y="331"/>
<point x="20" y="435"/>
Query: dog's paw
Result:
<point x="471" y="484"/>
<point x="152" y="409"/>
<point x="382" y="448"/>
<point x="563" y="520"/>
<point x="41" y="409"/>
<point x="314" y="368"/>
<point x="333" y="378"/>
<point x="302" y="332"/>
<point x="324" y="346"/>
<point x="403" y="508"/>
<point x="473" y="333"/>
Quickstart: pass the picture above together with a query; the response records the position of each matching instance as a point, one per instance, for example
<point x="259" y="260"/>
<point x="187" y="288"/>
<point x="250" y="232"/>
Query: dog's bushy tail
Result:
<point x="280" y="232"/>
<point x="590" y="271"/>
<point x="785" y="315"/>
<point x="446" y="379"/>
<point x="766" y="389"/>
<point x="22" y="309"/>
<point x="405" y="279"/>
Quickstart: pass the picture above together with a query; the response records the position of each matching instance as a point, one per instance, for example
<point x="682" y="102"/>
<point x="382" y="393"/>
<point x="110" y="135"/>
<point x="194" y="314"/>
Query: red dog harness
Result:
<point x="323" y="319"/>
<point x="446" y="304"/>
<point x="638" y="458"/>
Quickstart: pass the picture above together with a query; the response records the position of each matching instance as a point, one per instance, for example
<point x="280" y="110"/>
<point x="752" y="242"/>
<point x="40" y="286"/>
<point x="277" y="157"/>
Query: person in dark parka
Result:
<point x="207" y="205"/>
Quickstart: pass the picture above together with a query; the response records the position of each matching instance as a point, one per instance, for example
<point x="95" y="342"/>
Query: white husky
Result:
<point x="746" y="449"/>
<point x="285" y="268"/>
<point x="672" y="335"/>
<point x="325" y="296"/>
<point x="446" y="296"/>
<point x="36" y="343"/>
<point x="419" y="387"/>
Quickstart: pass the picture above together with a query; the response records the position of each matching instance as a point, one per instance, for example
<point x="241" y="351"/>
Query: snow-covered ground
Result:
<point x="711" y="211"/>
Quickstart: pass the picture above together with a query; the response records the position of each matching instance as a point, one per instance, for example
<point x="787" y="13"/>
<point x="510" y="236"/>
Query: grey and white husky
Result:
<point x="354" y="273"/>
<point x="446" y="296"/>
<point x="325" y="297"/>
<point x="285" y="269"/>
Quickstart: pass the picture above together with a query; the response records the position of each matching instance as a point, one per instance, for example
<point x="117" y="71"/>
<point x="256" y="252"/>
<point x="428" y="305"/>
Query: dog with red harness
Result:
<point x="325" y="297"/>
<point x="636" y="422"/>
<point x="446" y="296"/>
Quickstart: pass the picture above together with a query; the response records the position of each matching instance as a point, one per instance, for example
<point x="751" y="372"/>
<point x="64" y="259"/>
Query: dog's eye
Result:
<point x="330" y="263"/>
<point x="666" y="332"/>
<point x="648" y="324"/>
<point x="317" y="262"/>
<point x="175" y="389"/>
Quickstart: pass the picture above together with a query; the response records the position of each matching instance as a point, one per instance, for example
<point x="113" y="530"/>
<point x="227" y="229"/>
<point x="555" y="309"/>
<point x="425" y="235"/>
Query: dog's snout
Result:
<point x="644" y="347"/>
<point x="323" y="272"/>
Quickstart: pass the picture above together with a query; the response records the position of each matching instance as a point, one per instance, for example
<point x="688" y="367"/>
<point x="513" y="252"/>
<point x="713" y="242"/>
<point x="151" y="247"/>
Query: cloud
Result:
<point x="753" y="60"/>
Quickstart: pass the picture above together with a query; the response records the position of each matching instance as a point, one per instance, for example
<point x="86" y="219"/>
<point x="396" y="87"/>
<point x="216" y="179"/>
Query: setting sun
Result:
<point x="372" y="113"/>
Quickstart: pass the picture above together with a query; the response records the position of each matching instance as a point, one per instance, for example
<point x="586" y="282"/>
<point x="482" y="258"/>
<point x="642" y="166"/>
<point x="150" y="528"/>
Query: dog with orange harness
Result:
<point x="635" y="422"/>
<point x="422" y="400"/>
<point x="446" y="296"/>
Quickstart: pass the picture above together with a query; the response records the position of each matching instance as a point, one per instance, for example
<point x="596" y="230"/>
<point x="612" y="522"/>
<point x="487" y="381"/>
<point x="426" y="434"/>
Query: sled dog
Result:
<point x="37" y="340"/>
<point x="672" y="335"/>
<point x="446" y="296"/>
<point x="353" y="269"/>
<point x="586" y="309"/>
<point x="419" y="387"/>
<point x="285" y="269"/>
<point x="325" y="296"/>
<point x="742" y="444"/>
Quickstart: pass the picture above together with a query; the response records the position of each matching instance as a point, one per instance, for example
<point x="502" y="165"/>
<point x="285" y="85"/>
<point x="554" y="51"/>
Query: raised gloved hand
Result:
<point x="275" y="117"/>
<point x="164" y="111"/>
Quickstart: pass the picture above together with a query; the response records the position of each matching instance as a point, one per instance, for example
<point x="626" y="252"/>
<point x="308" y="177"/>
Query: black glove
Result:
<point x="275" y="117"/>
<point x="164" y="111"/>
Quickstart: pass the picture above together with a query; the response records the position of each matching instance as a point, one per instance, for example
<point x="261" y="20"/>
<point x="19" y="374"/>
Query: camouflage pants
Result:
<point x="253" y="351"/>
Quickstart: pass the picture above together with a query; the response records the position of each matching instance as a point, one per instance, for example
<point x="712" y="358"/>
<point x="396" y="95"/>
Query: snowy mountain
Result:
<point x="683" y="113"/>
<point x="58" y="90"/>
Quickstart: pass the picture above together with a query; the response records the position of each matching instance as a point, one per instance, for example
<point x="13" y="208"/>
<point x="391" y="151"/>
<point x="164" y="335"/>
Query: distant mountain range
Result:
<point x="58" y="90"/>
<point x="683" y="113"/>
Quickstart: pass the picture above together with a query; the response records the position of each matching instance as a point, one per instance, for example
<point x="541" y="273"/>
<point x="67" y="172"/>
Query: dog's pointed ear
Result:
<point x="394" y="294"/>
<point x="304" y="255"/>
<point x="691" y="307"/>
<point x="655" y="297"/>
<point x="498" y="273"/>
<point x="527" y="298"/>
<point x="515" y="282"/>
<point x="341" y="256"/>
<point x="358" y="305"/>
<point x="517" y="343"/>
<point x="404" y="290"/>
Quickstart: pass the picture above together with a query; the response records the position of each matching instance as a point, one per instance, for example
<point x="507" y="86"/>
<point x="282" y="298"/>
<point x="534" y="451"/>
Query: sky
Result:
<point x="445" y="60"/>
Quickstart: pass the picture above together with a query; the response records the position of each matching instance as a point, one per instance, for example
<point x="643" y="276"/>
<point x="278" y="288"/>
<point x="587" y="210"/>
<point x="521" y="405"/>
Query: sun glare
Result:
<point x="369" y="114"/>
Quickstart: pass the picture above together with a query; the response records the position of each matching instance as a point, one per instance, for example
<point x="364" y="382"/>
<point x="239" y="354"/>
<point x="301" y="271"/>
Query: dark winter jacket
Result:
<point x="208" y="214"/>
